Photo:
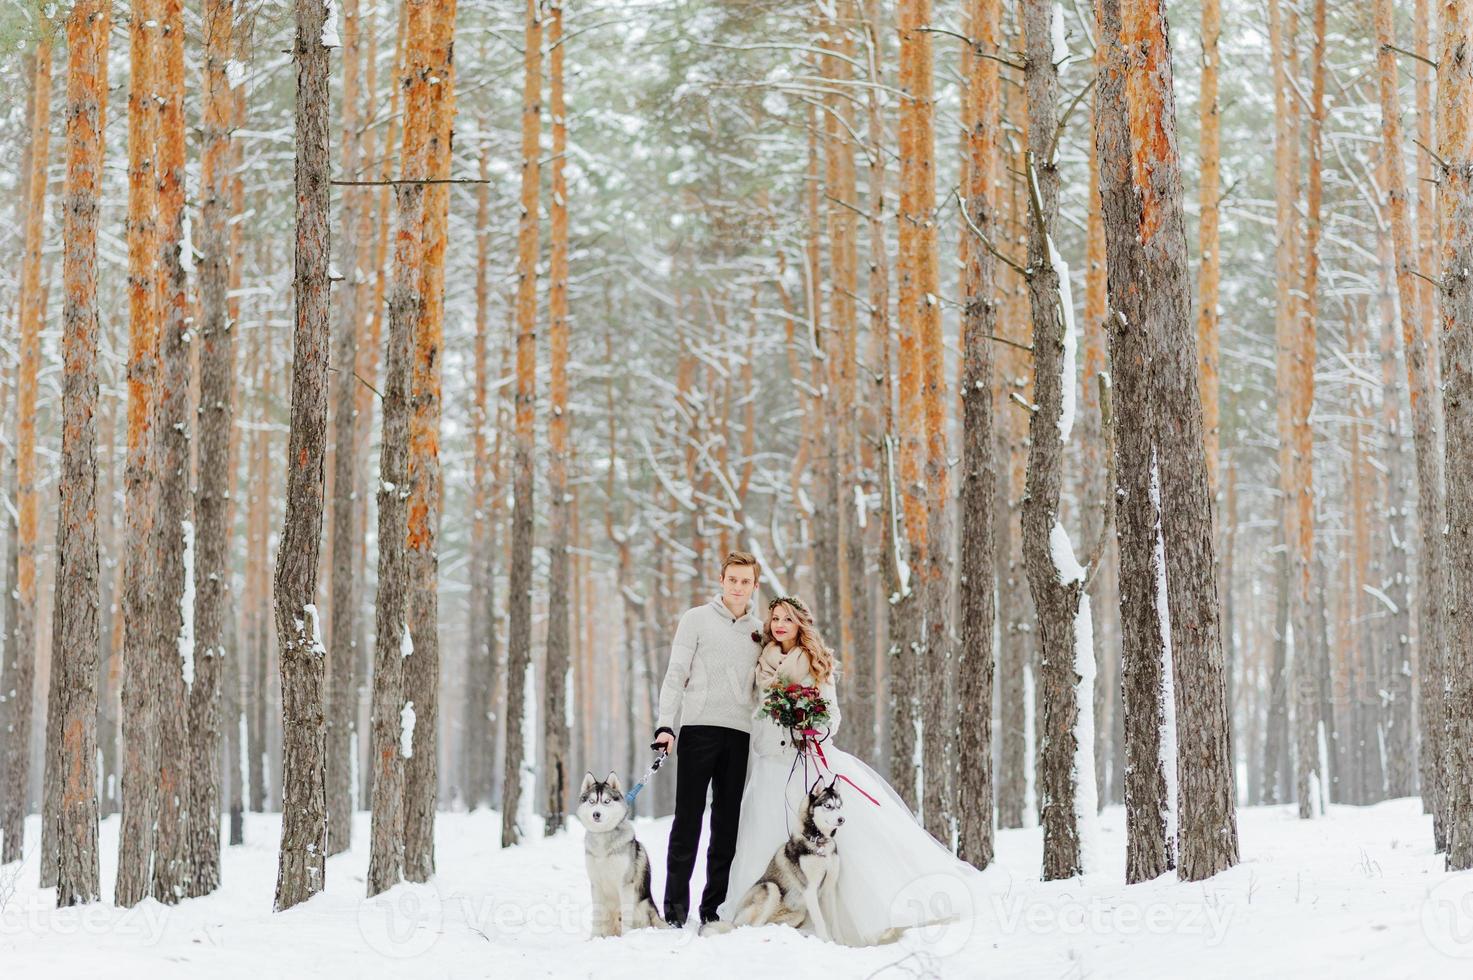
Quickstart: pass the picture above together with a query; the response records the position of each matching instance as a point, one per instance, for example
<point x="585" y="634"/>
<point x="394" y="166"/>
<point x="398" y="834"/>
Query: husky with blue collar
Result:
<point x="618" y="865"/>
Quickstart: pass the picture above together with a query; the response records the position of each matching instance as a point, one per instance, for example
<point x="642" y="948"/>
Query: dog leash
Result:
<point x="654" y="768"/>
<point x="812" y="740"/>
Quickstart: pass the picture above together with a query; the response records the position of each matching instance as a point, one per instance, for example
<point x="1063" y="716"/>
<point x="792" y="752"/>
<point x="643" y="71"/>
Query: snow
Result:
<point x="1062" y="57"/>
<point x="353" y="775"/>
<point x="315" y="620"/>
<point x="238" y="792"/>
<point x="186" y="608"/>
<point x="406" y="730"/>
<point x="1322" y="773"/>
<point x="1359" y="894"/>
<point x="330" y="37"/>
<point x="406" y="642"/>
<point x="235" y="72"/>
<point x="1086" y="796"/>
<point x="186" y="246"/>
<point x="859" y="506"/>
<point x="1030" y="748"/>
<point x="1167" y="733"/>
<point x="526" y="816"/>
<point x="568" y="698"/>
<point x="1063" y="554"/>
<point x="1068" y="394"/>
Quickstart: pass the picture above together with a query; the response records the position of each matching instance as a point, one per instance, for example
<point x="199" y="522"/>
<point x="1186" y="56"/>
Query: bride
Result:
<point x="892" y="874"/>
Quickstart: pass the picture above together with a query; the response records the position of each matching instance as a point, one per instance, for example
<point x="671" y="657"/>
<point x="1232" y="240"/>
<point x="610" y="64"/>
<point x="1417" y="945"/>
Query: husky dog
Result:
<point x="618" y="867"/>
<point x="805" y="868"/>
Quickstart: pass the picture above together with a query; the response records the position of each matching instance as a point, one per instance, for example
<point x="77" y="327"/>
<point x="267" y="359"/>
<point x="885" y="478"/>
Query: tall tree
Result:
<point x="978" y="502"/>
<point x="558" y="669"/>
<point x="216" y="415"/>
<point x="916" y="306"/>
<point x="1054" y="576"/>
<point x="20" y="652"/>
<point x="174" y="532"/>
<point x="422" y="669"/>
<point x="1455" y="148"/>
<point x="393" y="716"/>
<point x="1151" y="324"/>
<point x="74" y="670"/>
<point x="482" y="644"/>
<point x="1432" y="555"/>
<point x="301" y="865"/>
<point x="519" y="597"/>
<point x="140" y="699"/>
<point x="342" y="703"/>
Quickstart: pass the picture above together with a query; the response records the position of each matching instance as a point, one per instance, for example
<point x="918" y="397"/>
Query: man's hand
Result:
<point x="665" y="741"/>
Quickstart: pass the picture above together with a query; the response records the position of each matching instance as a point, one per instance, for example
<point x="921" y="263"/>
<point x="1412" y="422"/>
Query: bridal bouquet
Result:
<point x="795" y="707"/>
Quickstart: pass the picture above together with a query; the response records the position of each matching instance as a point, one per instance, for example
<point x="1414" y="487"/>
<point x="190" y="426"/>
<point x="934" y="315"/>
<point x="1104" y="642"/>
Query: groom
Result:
<point x="709" y="683"/>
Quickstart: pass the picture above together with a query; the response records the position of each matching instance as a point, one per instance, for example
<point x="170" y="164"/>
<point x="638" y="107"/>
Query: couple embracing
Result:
<point x="724" y="661"/>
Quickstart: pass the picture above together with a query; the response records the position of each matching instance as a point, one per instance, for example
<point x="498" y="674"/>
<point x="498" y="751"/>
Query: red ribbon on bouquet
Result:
<point x="810" y="738"/>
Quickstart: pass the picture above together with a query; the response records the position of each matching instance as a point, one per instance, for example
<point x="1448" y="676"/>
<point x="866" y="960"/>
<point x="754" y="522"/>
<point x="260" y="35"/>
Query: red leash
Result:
<point x="810" y="739"/>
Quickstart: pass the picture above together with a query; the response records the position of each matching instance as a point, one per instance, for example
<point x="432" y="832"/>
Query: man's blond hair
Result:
<point x="741" y="558"/>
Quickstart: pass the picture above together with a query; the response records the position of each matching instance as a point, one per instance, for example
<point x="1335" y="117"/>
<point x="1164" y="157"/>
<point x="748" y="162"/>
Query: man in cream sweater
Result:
<point x="709" y="686"/>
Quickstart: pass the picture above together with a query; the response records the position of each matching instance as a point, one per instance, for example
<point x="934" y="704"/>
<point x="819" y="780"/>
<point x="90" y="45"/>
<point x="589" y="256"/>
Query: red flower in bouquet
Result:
<point x="795" y="706"/>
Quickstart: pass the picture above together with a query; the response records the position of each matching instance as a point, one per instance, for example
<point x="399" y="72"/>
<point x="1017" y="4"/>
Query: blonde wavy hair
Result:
<point x="820" y="657"/>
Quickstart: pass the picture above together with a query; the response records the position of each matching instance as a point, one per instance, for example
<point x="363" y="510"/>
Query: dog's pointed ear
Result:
<point x="613" y="782"/>
<point x="588" y="782"/>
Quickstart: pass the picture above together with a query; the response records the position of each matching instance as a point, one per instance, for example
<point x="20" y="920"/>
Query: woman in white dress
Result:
<point x="892" y="874"/>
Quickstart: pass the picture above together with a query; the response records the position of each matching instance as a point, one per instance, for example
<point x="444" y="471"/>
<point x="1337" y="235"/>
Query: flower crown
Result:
<point x="790" y="600"/>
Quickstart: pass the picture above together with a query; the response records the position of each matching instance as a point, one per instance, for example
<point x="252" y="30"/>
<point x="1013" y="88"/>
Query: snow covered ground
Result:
<point x="1358" y="894"/>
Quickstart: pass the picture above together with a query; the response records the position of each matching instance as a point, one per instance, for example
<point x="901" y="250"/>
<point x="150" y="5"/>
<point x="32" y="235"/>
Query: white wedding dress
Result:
<point x="893" y="875"/>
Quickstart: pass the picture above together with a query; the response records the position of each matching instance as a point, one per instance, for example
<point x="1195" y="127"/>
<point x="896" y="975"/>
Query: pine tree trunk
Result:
<point x="140" y="697"/>
<point x="302" y="857"/>
<point x="342" y="703"/>
<point x="938" y="805"/>
<point x="1455" y="148"/>
<point x="212" y="572"/>
<point x="1276" y="733"/>
<point x="1431" y="556"/>
<point x="174" y="532"/>
<point x="75" y="667"/>
<point x="18" y="679"/>
<point x="558" y="668"/>
<point x="853" y="613"/>
<point x="395" y="719"/>
<point x="480" y="656"/>
<point x="422" y="669"/>
<point x="1095" y="496"/>
<point x="1206" y="817"/>
<point x="258" y="554"/>
<point x="978" y="492"/>
<point x="1396" y="631"/>
<point x="1057" y="595"/>
<point x="917" y="306"/>
<point x="865" y="684"/>
<point x="1150" y="818"/>
<point x="519" y="598"/>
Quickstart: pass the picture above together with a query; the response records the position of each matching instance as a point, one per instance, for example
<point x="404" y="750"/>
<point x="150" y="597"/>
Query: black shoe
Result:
<point x="675" y="919"/>
<point x="706" y="919"/>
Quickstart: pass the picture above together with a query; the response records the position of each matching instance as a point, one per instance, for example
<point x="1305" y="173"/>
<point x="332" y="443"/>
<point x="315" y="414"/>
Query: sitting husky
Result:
<point x="804" y="869"/>
<point x="618" y="867"/>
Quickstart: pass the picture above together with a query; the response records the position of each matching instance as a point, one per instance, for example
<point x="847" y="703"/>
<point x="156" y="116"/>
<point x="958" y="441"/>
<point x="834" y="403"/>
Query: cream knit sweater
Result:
<point x="709" y="680"/>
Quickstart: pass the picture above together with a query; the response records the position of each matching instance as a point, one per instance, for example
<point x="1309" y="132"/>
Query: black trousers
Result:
<point x="709" y="755"/>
